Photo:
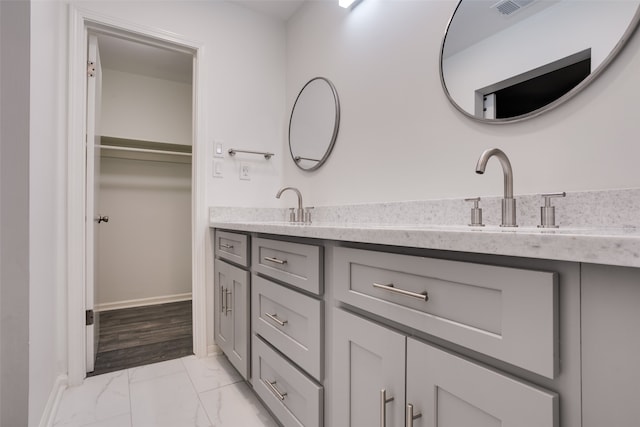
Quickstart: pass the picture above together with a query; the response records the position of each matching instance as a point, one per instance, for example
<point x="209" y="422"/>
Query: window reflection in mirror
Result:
<point x="542" y="45"/>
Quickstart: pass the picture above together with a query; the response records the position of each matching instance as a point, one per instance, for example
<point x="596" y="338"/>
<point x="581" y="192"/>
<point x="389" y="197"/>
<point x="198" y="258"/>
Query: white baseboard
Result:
<point x="142" y="302"/>
<point x="51" y="408"/>
<point x="213" y="350"/>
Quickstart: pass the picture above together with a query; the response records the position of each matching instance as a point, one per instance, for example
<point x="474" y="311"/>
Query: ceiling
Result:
<point x="153" y="61"/>
<point x="140" y="58"/>
<point x="278" y="9"/>
<point x="476" y="20"/>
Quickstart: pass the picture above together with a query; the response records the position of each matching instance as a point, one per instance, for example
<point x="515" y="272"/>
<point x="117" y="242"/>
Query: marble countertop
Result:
<point x="612" y="246"/>
<point x="441" y="225"/>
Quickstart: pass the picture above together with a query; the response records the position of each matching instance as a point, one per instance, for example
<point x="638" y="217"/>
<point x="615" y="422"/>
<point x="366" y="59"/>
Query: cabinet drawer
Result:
<point x="233" y="247"/>
<point x="290" y="321"/>
<point x="457" y="392"/>
<point x="507" y="313"/>
<point x="294" y="398"/>
<point x="296" y="264"/>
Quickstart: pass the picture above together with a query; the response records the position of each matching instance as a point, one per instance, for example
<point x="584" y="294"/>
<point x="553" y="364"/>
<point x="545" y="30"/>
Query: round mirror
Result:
<point x="314" y="123"/>
<point x="507" y="60"/>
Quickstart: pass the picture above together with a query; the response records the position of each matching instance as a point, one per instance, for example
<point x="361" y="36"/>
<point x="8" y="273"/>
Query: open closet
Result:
<point x="143" y="197"/>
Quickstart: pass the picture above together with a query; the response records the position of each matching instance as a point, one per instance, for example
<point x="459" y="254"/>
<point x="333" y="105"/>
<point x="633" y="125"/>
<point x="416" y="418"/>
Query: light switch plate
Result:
<point x="218" y="149"/>
<point x="245" y="171"/>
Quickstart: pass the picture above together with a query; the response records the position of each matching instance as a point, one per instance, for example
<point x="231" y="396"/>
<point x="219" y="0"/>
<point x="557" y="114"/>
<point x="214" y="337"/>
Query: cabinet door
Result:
<point x="368" y="359"/>
<point x="449" y="391"/>
<point x="232" y="314"/>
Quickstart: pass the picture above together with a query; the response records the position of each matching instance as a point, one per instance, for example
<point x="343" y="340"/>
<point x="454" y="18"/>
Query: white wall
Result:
<point x="145" y="108"/>
<point x="47" y="327"/>
<point x="400" y="139"/>
<point x="144" y="251"/>
<point x="243" y="86"/>
<point x="14" y="213"/>
<point x="243" y="92"/>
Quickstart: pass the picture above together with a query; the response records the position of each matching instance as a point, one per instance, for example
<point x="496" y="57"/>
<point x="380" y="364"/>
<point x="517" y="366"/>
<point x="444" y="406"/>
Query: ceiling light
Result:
<point x="348" y="3"/>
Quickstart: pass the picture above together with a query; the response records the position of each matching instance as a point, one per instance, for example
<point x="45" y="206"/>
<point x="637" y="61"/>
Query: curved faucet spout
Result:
<point x="283" y="189"/>
<point x="506" y="168"/>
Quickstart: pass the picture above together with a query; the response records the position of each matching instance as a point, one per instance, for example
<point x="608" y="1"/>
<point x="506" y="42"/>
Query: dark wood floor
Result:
<point x="138" y="336"/>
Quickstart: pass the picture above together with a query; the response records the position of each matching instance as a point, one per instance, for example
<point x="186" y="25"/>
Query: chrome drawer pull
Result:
<point x="274" y="317"/>
<point x="226" y="298"/>
<point x="276" y="260"/>
<point x="274" y="390"/>
<point x="226" y="246"/>
<point x="410" y="416"/>
<point x="383" y="407"/>
<point x="423" y="296"/>
<point x="222" y="307"/>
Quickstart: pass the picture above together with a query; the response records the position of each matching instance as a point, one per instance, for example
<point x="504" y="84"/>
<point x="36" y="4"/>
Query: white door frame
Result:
<point x="80" y="22"/>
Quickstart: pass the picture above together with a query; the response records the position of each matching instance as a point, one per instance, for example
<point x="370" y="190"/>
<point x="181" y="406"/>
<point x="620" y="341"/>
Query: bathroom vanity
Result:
<point x="373" y="325"/>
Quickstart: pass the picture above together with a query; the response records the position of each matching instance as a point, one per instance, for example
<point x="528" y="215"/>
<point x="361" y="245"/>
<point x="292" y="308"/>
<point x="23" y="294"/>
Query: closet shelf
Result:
<point x="144" y="150"/>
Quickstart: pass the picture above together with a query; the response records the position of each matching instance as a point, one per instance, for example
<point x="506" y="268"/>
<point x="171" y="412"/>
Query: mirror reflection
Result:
<point x="314" y="124"/>
<point x="513" y="59"/>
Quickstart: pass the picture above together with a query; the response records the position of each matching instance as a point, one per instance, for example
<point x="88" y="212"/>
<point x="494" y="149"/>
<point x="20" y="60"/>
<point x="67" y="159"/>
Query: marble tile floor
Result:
<point x="184" y="392"/>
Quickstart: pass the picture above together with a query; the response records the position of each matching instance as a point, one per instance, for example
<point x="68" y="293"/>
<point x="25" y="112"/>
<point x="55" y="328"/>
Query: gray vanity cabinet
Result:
<point x="290" y="321"/>
<point x="231" y="297"/>
<point x="233" y="247"/>
<point x="368" y="361"/>
<point x="287" y="330"/>
<point x="445" y="390"/>
<point x="297" y="264"/>
<point x="610" y="346"/>
<point x="232" y="314"/>
<point x="371" y="363"/>
<point x="510" y="314"/>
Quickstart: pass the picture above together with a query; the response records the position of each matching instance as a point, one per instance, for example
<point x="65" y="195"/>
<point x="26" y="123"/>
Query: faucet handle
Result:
<point x="306" y="218"/>
<point x="548" y="212"/>
<point x="476" y="212"/>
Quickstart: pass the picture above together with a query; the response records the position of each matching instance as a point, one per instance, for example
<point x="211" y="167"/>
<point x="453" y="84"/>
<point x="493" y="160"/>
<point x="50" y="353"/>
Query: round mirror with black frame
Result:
<point x="314" y="123"/>
<point x="509" y="60"/>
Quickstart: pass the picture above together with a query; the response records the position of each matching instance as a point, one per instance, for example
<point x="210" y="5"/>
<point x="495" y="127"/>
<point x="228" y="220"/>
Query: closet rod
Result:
<point x="143" y="150"/>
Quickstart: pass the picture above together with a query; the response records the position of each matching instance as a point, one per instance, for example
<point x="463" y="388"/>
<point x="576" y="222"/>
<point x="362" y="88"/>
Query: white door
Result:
<point x="94" y="92"/>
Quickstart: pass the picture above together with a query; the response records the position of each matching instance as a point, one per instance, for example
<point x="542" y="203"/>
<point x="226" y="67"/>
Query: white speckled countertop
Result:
<point x="595" y="227"/>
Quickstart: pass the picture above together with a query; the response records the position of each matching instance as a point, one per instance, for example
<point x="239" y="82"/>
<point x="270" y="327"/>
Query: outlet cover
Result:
<point x="245" y="171"/>
<point x="218" y="171"/>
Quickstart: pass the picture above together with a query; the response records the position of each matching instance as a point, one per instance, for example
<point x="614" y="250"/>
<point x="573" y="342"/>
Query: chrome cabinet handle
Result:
<point x="274" y="317"/>
<point x="276" y="260"/>
<point x="228" y="292"/>
<point x="383" y="407"/>
<point x="423" y="296"/>
<point x="410" y="416"/>
<point x="274" y="390"/>
<point x="226" y="246"/>
<point x="222" y="298"/>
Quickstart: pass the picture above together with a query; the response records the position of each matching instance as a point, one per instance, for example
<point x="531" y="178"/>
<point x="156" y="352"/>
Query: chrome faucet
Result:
<point x="508" y="202"/>
<point x="300" y="214"/>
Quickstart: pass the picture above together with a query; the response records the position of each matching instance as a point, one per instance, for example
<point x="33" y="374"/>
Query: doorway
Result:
<point x="82" y="24"/>
<point x="142" y="191"/>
